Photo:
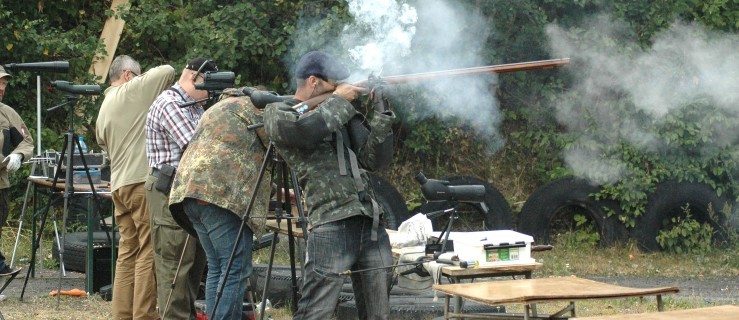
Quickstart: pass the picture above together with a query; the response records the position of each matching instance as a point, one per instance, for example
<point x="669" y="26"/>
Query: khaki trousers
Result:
<point x="134" y="288"/>
<point x="168" y="240"/>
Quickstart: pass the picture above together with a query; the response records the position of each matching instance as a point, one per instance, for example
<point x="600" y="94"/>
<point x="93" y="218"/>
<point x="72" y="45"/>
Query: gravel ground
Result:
<point x="716" y="290"/>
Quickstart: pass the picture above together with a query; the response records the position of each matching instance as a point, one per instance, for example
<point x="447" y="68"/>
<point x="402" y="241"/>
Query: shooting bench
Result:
<point x="529" y="292"/>
<point x="727" y="312"/>
<point x="102" y="190"/>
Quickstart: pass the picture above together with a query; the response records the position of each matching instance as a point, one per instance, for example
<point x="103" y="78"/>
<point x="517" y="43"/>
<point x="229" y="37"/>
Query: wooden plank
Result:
<point x="727" y="312"/>
<point x="530" y="291"/>
<point x="110" y="36"/>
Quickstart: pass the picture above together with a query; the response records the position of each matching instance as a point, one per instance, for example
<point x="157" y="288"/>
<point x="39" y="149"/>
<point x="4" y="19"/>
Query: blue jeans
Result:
<point x="217" y="230"/>
<point x="339" y="246"/>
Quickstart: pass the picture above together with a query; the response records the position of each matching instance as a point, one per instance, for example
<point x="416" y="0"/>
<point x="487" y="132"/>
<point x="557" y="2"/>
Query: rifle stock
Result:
<point x="415" y="77"/>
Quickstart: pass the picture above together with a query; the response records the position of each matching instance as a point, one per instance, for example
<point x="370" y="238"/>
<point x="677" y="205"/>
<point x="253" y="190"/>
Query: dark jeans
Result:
<point x="217" y="230"/>
<point x="339" y="246"/>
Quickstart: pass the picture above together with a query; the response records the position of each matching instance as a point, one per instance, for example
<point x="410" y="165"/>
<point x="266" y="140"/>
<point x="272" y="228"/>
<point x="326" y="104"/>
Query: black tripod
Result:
<point x="283" y="204"/>
<point x="71" y="141"/>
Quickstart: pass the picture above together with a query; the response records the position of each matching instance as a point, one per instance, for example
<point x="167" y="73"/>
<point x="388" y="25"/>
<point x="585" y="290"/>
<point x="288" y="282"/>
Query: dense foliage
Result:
<point x="257" y="40"/>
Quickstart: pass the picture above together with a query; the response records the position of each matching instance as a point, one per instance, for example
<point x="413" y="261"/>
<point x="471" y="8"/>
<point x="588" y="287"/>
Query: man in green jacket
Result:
<point x="332" y="146"/>
<point x="17" y="145"/>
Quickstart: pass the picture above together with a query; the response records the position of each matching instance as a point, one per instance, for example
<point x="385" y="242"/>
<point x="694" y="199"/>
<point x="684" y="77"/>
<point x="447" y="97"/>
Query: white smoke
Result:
<point x="388" y="28"/>
<point x="684" y="63"/>
<point x="391" y="37"/>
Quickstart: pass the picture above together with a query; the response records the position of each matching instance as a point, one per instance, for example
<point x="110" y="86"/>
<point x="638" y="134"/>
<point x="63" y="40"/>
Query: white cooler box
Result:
<point x="491" y="248"/>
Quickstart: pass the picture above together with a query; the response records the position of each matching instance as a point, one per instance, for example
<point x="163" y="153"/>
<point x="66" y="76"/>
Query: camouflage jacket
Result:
<point x="313" y="145"/>
<point x="221" y="163"/>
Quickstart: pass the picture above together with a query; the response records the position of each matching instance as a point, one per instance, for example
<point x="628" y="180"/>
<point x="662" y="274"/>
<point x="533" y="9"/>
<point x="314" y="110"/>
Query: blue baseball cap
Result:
<point x="322" y="65"/>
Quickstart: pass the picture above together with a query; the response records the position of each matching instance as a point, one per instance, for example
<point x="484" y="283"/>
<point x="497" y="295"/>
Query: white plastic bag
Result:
<point x="412" y="232"/>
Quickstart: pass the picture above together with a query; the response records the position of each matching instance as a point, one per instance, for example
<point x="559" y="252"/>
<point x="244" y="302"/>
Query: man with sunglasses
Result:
<point x="179" y="259"/>
<point x="120" y="132"/>
<point x="332" y="146"/>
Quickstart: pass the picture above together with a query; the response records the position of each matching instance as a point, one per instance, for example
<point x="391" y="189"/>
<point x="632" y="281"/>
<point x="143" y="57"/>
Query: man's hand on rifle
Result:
<point x="349" y="91"/>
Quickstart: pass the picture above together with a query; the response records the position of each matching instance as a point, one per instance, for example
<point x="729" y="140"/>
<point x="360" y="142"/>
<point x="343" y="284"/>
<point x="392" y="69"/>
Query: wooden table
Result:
<point x="531" y="291"/>
<point x="102" y="190"/>
<point x="727" y="312"/>
<point x="282" y="228"/>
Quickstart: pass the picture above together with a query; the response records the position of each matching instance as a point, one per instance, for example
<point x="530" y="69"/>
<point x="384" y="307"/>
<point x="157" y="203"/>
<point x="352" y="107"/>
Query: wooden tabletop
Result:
<point x="528" y="291"/>
<point x="727" y="312"/>
<point x="282" y="228"/>
<point x="102" y="189"/>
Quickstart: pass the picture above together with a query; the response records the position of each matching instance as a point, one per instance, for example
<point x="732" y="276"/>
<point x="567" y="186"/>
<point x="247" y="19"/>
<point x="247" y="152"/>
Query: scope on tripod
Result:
<point x="86" y="89"/>
<point x="216" y="81"/>
<point x="440" y="190"/>
<point x="260" y="98"/>
<point x="52" y="66"/>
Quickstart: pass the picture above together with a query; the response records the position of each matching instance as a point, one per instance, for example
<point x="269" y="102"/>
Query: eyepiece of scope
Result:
<point x="421" y="178"/>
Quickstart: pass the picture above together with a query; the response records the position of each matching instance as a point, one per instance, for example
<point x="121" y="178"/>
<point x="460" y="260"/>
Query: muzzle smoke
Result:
<point x="390" y="37"/>
<point x="685" y="63"/>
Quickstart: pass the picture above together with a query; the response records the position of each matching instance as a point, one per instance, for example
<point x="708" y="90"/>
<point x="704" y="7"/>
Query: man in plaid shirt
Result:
<point x="169" y="129"/>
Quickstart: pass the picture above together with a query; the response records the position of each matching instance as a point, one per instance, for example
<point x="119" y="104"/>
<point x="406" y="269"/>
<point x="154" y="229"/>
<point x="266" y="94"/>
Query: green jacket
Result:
<point x="221" y="163"/>
<point x="319" y="146"/>
<point x="9" y="118"/>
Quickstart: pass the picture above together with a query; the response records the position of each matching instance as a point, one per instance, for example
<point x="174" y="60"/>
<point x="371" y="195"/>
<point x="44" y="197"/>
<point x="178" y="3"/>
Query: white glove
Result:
<point x="14" y="162"/>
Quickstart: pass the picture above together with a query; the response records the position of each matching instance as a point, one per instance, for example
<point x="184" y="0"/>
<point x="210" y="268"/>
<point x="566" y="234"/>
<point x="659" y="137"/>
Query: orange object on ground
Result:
<point x="74" y="292"/>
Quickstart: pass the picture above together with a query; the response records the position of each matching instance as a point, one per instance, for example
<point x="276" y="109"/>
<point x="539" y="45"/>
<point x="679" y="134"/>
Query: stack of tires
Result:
<point x="670" y="199"/>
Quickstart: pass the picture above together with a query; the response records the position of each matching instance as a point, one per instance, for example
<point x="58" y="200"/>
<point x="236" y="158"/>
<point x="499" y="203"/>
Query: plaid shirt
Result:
<point x="169" y="128"/>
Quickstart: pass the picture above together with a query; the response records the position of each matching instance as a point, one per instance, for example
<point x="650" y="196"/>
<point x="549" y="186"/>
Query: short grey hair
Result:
<point x="120" y="64"/>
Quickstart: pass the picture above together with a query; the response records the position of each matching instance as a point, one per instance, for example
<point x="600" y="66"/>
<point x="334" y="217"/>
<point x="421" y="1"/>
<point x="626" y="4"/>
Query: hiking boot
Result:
<point x="7" y="271"/>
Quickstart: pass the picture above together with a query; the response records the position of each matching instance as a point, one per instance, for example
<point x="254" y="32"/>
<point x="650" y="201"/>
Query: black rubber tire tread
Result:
<point x="406" y="307"/>
<point x="499" y="216"/>
<point x="280" y="284"/>
<point x="75" y="248"/>
<point x="393" y="202"/>
<point x="546" y="201"/>
<point x="666" y="202"/>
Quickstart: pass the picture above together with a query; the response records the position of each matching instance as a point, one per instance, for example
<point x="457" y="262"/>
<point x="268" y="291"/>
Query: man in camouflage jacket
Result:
<point x="216" y="177"/>
<point x="331" y="147"/>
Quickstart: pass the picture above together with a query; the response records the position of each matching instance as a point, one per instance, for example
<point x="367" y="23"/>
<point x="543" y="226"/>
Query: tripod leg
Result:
<point x="35" y="248"/>
<point x="20" y="221"/>
<point x="59" y="246"/>
<point x="174" y="280"/>
<point x="263" y="304"/>
<point x="244" y="218"/>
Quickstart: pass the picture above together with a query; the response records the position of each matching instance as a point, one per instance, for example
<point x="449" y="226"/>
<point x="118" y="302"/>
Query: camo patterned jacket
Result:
<point x="308" y="143"/>
<point x="221" y="163"/>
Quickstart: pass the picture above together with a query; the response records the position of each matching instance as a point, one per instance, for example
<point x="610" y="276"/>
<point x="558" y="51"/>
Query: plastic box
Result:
<point x="491" y="248"/>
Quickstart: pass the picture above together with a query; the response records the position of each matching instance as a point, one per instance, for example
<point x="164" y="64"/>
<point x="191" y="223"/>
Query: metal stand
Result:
<point x="71" y="140"/>
<point x="282" y="194"/>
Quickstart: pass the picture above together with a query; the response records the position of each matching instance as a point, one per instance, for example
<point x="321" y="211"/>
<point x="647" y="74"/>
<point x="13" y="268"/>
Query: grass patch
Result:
<point x="576" y="258"/>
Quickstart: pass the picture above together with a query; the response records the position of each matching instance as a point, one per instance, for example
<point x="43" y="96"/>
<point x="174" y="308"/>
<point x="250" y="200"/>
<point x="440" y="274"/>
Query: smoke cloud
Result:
<point x="684" y="64"/>
<point x="391" y="37"/>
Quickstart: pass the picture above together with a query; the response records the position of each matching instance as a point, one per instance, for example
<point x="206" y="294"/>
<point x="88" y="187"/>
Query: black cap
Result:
<point x="322" y="65"/>
<point x="196" y="63"/>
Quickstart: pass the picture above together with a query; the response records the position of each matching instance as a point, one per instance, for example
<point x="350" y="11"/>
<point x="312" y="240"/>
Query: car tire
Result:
<point x="75" y="248"/>
<point x="542" y="207"/>
<point x="389" y="198"/>
<point x="667" y="202"/>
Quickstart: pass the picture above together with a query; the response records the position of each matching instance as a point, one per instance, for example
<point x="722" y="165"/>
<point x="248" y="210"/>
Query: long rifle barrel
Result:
<point x="414" y="77"/>
<point x="500" y="68"/>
